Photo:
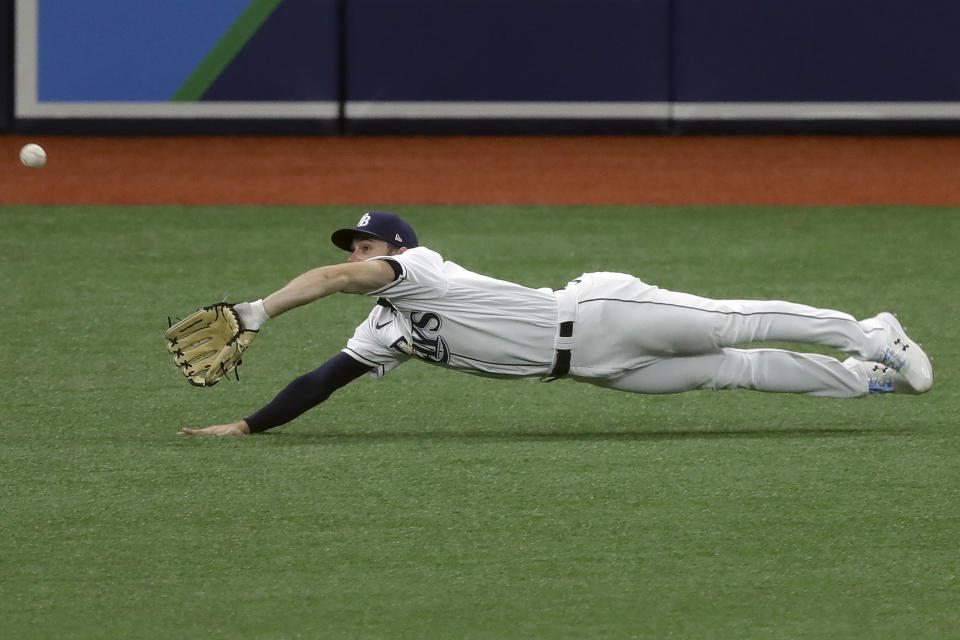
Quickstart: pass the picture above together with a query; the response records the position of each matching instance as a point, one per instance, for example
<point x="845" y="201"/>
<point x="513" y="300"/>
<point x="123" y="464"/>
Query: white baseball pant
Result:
<point x="633" y="336"/>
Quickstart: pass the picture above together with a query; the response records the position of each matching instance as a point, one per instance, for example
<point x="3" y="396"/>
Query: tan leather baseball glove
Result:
<point x="209" y="343"/>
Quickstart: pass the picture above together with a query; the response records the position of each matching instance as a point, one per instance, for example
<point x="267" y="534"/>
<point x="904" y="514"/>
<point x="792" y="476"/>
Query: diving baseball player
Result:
<point x="608" y="329"/>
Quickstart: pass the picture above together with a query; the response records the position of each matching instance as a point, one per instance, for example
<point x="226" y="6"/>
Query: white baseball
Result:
<point x="33" y="156"/>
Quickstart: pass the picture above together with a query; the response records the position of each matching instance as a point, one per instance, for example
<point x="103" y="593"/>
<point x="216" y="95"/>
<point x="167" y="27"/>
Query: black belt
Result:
<point x="562" y="365"/>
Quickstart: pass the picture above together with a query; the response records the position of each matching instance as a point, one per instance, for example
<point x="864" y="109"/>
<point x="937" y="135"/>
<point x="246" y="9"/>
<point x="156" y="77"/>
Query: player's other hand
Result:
<point x="238" y="428"/>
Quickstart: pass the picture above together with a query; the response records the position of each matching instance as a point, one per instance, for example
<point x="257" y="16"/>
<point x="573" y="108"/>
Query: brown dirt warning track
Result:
<point x="651" y="170"/>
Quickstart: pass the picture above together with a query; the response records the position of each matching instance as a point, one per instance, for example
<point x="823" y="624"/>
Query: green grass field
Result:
<point x="432" y="504"/>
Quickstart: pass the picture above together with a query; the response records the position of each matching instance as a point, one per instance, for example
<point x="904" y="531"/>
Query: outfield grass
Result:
<point x="436" y="505"/>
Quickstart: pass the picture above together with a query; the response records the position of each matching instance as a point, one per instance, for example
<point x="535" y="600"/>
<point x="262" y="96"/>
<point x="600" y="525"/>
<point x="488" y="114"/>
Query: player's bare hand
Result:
<point x="238" y="428"/>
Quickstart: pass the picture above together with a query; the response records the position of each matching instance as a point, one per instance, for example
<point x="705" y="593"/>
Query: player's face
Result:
<point x="365" y="247"/>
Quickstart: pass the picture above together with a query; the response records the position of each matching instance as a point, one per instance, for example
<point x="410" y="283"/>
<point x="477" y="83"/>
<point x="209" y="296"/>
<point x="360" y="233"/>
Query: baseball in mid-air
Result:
<point x="33" y="156"/>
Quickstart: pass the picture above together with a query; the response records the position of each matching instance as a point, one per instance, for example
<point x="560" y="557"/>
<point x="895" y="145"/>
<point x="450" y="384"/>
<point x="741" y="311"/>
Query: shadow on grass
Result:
<point x="507" y="435"/>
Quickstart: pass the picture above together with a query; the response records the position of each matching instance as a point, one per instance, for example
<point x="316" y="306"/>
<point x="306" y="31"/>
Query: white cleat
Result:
<point x="881" y="378"/>
<point x="904" y="356"/>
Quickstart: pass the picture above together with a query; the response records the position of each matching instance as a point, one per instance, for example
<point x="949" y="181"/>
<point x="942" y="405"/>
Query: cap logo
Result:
<point x="364" y="220"/>
<point x="398" y="238"/>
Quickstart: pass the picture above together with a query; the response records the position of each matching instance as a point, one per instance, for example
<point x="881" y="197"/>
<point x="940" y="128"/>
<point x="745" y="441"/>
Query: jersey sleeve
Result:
<point x="376" y="341"/>
<point x="420" y="276"/>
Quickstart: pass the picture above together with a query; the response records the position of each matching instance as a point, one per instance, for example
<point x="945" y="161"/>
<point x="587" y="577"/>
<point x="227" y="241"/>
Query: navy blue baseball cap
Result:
<point x="379" y="224"/>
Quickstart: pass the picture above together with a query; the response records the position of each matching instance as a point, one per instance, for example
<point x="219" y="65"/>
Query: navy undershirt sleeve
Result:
<point x="307" y="391"/>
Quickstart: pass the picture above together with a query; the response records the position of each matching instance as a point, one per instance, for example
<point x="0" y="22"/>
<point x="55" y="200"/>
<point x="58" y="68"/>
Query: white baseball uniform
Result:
<point x="626" y="334"/>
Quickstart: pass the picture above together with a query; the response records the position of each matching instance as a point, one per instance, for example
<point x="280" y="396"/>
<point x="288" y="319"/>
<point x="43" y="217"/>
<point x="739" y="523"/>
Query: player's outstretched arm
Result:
<point x="351" y="277"/>
<point x="296" y="398"/>
<point x="238" y="428"/>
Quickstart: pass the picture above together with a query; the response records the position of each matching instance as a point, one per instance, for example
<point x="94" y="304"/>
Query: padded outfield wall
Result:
<point x="355" y="66"/>
<point x="196" y="63"/>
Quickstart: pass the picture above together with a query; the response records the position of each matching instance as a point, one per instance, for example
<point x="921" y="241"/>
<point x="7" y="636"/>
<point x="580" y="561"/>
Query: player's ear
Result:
<point x="397" y="252"/>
